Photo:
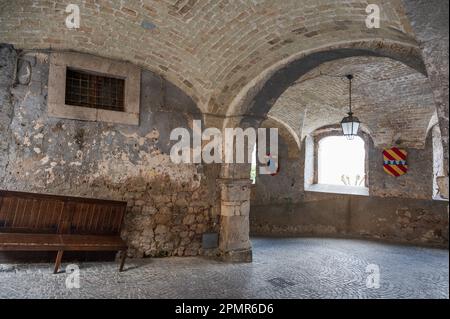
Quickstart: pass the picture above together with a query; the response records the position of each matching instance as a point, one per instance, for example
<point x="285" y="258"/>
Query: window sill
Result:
<point x="71" y="112"/>
<point x="439" y="198"/>
<point x="337" y="189"/>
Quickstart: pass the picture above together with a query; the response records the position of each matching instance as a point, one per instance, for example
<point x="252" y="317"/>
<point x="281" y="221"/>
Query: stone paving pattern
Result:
<point x="282" y="268"/>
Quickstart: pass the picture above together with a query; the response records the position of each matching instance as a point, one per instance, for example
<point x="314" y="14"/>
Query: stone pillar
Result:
<point x="430" y="22"/>
<point x="234" y="240"/>
<point x="235" y="188"/>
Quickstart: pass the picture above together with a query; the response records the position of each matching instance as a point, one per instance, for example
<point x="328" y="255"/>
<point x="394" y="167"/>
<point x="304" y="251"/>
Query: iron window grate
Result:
<point x="94" y="91"/>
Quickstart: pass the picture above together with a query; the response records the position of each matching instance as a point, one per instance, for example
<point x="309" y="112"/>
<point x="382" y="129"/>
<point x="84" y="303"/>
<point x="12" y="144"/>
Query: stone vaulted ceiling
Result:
<point x="210" y="48"/>
<point x="394" y="101"/>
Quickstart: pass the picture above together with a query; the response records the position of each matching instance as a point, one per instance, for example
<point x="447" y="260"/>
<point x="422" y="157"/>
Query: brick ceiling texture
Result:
<point x="393" y="101"/>
<point x="214" y="49"/>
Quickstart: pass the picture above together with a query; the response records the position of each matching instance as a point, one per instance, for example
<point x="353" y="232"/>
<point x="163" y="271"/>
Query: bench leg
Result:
<point x="58" y="261"/>
<point x="122" y="260"/>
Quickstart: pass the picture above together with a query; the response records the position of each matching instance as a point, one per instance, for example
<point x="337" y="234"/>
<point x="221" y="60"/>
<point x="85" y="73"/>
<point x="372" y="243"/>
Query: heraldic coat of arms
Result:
<point x="395" y="161"/>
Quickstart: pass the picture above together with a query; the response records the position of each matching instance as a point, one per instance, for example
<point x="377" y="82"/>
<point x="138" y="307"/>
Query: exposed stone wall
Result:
<point x="412" y="221"/>
<point x="285" y="187"/>
<point x="399" y="209"/>
<point x="7" y="67"/>
<point x="430" y="22"/>
<point x="170" y="206"/>
<point x="416" y="183"/>
<point x="236" y="62"/>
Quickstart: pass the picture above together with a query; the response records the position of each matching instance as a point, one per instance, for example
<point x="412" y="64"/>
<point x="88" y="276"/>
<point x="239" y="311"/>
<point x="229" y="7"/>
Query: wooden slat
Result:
<point x="10" y="211"/>
<point x="3" y="212"/>
<point x="35" y="222"/>
<point x="4" y="193"/>
<point x="30" y="242"/>
<point x="86" y="241"/>
<point x="60" y="242"/>
<point x="31" y="213"/>
<point x="14" y="208"/>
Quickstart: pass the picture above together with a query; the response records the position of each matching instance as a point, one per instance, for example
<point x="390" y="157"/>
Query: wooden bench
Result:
<point x="36" y="222"/>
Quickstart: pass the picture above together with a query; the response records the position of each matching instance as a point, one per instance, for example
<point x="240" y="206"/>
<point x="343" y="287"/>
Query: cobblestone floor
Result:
<point x="282" y="268"/>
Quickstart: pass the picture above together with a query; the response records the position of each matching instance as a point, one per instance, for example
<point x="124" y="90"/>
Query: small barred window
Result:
<point x="94" y="91"/>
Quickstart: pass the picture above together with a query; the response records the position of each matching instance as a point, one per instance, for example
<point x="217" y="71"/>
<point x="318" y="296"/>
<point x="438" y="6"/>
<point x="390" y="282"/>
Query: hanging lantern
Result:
<point x="350" y="124"/>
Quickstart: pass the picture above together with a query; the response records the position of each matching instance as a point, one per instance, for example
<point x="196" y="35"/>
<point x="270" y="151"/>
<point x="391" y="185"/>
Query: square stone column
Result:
<point x="234" y="240"/>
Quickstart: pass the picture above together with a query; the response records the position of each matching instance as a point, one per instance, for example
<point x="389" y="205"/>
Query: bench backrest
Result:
<point x="37" y="213"/>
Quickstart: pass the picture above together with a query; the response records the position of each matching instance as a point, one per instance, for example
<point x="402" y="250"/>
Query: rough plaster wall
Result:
<point x="430" y="22"/>
<point x="169" y="206"/>
<point x="285" y="187"/>
<point x="7" y="65"/>
<point x="416" y="183"/>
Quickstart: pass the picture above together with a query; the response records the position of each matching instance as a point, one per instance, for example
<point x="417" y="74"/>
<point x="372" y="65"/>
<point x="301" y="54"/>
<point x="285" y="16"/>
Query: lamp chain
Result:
<point x="350" y="94"/>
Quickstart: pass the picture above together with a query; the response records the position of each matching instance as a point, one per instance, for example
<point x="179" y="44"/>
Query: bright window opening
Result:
<point x="253" y="166"/>
<point x="341" y="161"/>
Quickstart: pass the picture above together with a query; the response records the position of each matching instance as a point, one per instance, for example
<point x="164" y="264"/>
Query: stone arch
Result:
<point x="433" y="122"/>
<point x="287" y="133"/>
<point x="287" y="185"/>
<point x="252" y="104"/>
<point x="250" y="108"/>
<point x="208" y="56"/>
<point x="257" y="98"/>
<point x="235" y="193"/>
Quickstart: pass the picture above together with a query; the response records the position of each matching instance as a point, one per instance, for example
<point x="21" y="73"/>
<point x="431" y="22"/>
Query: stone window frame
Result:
<point x="322" y="133"/>
<point x="439" y="179"/>
<point x="59" y="62"/>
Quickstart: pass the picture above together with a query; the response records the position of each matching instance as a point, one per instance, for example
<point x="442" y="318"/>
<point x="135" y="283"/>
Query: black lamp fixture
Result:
<point x="350" y="124"/>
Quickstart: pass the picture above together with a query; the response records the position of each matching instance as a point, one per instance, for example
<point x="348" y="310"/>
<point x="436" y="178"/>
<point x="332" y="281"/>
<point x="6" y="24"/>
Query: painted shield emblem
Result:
<point x="395" y="161"/>
<point x="272" y="165"/>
